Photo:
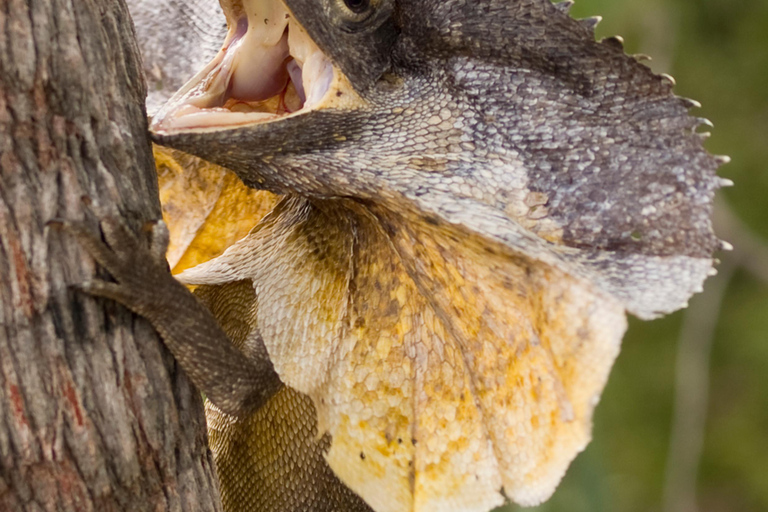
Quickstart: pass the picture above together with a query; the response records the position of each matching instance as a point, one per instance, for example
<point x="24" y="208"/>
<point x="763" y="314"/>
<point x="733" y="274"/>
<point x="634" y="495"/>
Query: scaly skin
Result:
<point x="463" y="229"/>
<point x="272" y="457"/>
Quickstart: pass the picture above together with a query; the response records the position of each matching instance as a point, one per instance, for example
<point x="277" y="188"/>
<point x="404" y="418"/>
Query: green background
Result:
<point x="717" y="50"/>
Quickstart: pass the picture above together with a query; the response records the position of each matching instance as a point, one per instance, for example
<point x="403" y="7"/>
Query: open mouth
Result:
<point x="267" y="69"/>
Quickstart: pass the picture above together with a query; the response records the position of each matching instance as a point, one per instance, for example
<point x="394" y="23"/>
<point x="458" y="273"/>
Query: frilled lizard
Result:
<point x="471" y="195"/>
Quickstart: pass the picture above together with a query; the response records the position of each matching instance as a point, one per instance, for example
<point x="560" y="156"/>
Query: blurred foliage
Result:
<point x="718" y="52"/>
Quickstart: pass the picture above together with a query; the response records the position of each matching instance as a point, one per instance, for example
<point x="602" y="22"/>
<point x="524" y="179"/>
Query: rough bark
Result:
<point x="93" y="412"/>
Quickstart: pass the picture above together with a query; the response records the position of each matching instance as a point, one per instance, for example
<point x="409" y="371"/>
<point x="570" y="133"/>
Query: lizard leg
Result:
<point x="236" y="384"/>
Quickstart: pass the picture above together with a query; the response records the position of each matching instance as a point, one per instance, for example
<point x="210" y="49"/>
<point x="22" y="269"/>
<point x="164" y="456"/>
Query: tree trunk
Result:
<point x="94" y="414"/>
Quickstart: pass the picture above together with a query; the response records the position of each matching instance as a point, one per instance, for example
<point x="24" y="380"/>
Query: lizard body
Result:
<point x="475" y="194"/>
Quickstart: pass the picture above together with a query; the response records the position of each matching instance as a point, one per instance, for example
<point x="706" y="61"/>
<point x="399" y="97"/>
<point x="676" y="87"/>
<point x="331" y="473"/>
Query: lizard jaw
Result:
<point x="268" y="69"/>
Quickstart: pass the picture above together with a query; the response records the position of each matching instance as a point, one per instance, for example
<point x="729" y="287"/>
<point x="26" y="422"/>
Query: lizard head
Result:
<point x="506" y="118"/>
<point x="285" y="74"/>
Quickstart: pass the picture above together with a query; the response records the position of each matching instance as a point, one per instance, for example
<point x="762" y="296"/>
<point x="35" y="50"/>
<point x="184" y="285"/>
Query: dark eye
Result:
<point x="357" y="6"/>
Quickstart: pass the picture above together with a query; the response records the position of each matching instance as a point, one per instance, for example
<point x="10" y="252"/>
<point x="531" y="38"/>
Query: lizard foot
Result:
<point x="139" y="266"/>
<point x="235" y="383"/>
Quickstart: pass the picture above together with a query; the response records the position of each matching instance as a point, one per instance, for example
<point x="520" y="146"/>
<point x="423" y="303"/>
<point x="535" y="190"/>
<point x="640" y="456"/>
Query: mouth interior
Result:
<point x="267" y="68"/>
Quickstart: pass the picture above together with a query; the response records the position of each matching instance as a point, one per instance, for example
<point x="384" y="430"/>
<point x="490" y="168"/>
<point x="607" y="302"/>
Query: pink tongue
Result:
<point x="259" y="72"/>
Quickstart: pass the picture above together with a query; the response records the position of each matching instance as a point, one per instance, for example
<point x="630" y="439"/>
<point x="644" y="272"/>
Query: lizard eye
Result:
<point x="355" y="13"/>
<point x="357" y="6"/>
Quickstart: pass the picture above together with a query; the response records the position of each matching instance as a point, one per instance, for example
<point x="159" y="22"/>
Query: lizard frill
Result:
<point x="443" y="373"/>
